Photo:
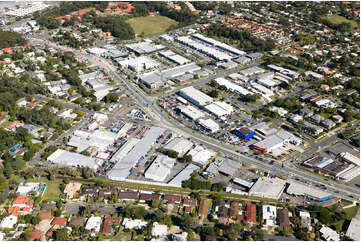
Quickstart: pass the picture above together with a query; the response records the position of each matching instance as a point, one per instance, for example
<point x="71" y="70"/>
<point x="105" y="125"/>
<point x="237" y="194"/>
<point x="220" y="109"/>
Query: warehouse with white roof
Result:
<point x="170" y="55"/>
<point x="138" y="64"/>
<point x="191" y="112"/>
<point x="299" y="189"/>
<point x="179" y="145"/>
<point x="219" y="109"/>
<point x="209" y="125"/>
<point x="65" y="158"/>
<point x="160" y="168"/>
<point x="268" y="188"/>
<point x="202" y="157"/>
<point x="195" y="96"/>
<point x="124" y="150"/>
<point x="122" y="168"/>
<point x="232" y="86"/>
<point x="185" y="174"/>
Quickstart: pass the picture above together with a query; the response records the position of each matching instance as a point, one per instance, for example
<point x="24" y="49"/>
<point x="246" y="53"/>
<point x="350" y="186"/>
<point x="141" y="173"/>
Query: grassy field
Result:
<point x="337" y="19"/>
<point x="351" y="212"/>
<point x="150" y="25"/>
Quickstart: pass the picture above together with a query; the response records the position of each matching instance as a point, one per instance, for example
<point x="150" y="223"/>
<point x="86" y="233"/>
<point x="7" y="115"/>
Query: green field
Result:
<point x="337" y="19"/>
<point x="150" y="25"/>
<point x="52" y="192"/>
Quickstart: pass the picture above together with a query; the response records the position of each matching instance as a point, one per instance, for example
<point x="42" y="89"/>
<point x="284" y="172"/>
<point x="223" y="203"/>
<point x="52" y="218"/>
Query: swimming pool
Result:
<point x="42" y="189"/>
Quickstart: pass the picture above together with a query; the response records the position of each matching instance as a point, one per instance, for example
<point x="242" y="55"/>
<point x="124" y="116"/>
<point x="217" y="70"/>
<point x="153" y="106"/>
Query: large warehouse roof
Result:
<point x="232" y="87"/>
<point x="121" y="170"/>
<point x="209" y="124"/>
<point x="144" y="47"/>
<point x="160" y="168"/>
<point x="219" y="109"/>
<point x="124" y="150"/>
<point x="195" y="96"/>
<point x="66" y="158"/>
<point x="179" y="145"/>
<point x="269" y="188"/>
<point x="229" y="167"/>
<point x="202" y="157"/>
<point x="299" y="189"/>
<point x="191" y="112"/>
<point x="183" y="175"/>
<point x="139" y="63"/>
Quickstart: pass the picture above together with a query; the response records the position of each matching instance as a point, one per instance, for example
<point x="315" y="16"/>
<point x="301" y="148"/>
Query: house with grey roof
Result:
<point x="327" y="123"/>
<point x="317" y="118"/>
<point x="305" y="112"/>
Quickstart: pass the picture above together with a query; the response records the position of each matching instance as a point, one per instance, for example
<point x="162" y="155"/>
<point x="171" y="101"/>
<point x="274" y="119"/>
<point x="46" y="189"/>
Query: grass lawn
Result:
<point x="52" y="191"/>
<point x="351" y="212"/>
<point x="150" y="25"/>
<point x="337" y="19"/>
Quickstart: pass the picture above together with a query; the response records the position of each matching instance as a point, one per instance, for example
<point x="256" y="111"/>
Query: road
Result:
<point x="162" y="119"/>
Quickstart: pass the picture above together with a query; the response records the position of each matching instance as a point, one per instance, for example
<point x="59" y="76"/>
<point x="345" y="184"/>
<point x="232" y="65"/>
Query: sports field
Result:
<point x="150" y="25"/>
<point x="337" y="19"/>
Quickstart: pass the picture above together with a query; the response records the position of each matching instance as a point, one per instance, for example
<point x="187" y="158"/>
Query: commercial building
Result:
<point x="66" y="158"/>
<point x="158" y="78"/>
<point x="160" y="168"/>
<point x="122" y="168"/>
<point x="195" y="96"/>
<point x="268" y="188"/>
<point x="255" y="70"/>
<point x="284" y="71"/>
<point x="144" y="47"/>
<point x="328" y="166"/>
<point x="242" y="182"/>
<point x="205" y="49"/>
<point x="219" y="45"/>
<point x="138" y="64"/>
<point x="185" y="174"/>
<point x="190" y="111"/>
<point x="229" y="167"/>
<point x="29" y="8"/>
<point x="298" y="189"/>
<point x="209" y="125"/>
<point x="170" y="55"/>
<point x="180" y="145"/>
<point x="353" y="230"/>
<point x="276" y="141"/>
<point x="244" y="133"/>
<point x="232" y="87"/>
<point x="219" y="109"/>
<point x="350" y="174"/>
<point x="345" y="156"/>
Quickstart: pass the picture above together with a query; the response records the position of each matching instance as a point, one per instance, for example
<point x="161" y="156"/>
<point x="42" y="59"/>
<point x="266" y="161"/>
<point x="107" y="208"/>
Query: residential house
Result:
<point x="327" y="123"/>
<point x="108" y="225"/>
<point x="128" y="196"/>
<point x="107" y="193"/>
<point x="159" y="230"/>
<point x="329" y="234"/>
<point x="203" y="207"/>
<point x="77" y="222"/>
<point x="58" y="222"/>
<point x="45" y="215"/>
<point x="269" y="214"/>
<point x="131" y="224"/>
<point x="234" y="211"/>
<point x="172" y="199"/>
<point x="71" y="189"/>
<point x="284" y="218"/>
<point x="35" y="235"/>
<point x="251" y="211"/>
<point x="89" y="191"/>
<point x="306" y="220"/>
<point x="145" y="197"/>
<point x="317" y="118"/>
<point x="93" y="225"/>
<point x="306" y="112"/>
<point x="21" y="205"/>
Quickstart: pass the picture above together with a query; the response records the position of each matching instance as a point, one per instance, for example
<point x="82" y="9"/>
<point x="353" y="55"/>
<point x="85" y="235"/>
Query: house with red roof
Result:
<point x="21" y="205"/>
<point x="325" y="87"/>
<point x="35" y="235"/>
<point x="251" y="213"/>
<point x="14" y="125"/>
<point x="59" y="222"/>
<point x="6" y="50"/>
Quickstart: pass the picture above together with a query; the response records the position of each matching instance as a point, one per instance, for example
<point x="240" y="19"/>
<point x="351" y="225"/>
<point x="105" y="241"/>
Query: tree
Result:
<point x="218" y="187"/>
<point x="187" y="222"/>
<point x="35" y="220"/>
<point x="187" y="158"/>
<point x="61" y="234"/>
<point x="111" y="98"/>
<point x="172" y="153"/>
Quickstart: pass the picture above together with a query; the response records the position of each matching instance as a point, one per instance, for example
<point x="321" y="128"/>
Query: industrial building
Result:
<point x="138" y="64"/>
<point x="160" y="168"/>
<point x="314" y="75"/>
<point x="284" y="71"/>
<point x="328" y="166"/>
<point x="353" y="230"/>
<point x="195" y="96"/>
<point x="124" y="150"/>
<point x="209" y="125"/>
<point x="244" y="133"/>
<point x="229" y="167"/>
<point x="298" y="189"/>
<point x="219" y="45"/>
<point x="180" y="145"/>
<point x="29" y="8"/>
<point x="276" y="141"/>
<point x="190" y="111"/>
<point x="202" y="157"/>
<point x="232" y="87"/>
<point x="185" y="174"/>
<point x="219" y="109"/>
<point x="243" y="183"/>
<point x="144" y="47"/>
<point x="255" y="70"/>
<point x="158" y="78"/>
<point x="65" y="158"/>
<point x="122" y="168"/>
<point x="349" y="158"/>
<point x="99" y="138"/>
<point x="268" y="188"/>
<point x="170" y="55"/>
<point x="205" y="49"/>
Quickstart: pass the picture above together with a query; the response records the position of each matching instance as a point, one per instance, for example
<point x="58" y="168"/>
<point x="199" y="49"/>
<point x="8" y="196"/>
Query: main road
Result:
<point x="287" y="171"/>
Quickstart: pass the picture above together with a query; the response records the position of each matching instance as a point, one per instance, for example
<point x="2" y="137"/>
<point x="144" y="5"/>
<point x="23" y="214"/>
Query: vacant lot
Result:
<point x="337" y="19"/>
<point x="150" y="25"/>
